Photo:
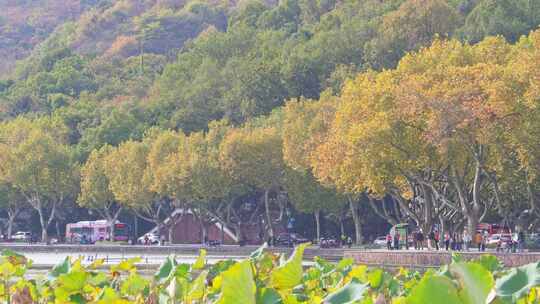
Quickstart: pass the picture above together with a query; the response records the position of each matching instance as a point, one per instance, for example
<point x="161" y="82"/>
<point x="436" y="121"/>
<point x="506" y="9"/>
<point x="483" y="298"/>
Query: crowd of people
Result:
<point x="463" y="241"/>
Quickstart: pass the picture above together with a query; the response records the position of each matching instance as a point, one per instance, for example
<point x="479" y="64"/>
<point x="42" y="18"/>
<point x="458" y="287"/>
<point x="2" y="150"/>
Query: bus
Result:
<point x="92" y="231"/>
<point x="493" y="228"/>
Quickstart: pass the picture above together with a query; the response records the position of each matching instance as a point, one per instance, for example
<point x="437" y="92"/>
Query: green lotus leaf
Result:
<point x="475" y="282"/>
<point x="375" y="278"/>
<point x="165" y="269"/>
<point x="238" y="285"/>
<point x="434" y="287"/>
<point x="517" y="282"/>
<point x="269" y="296"/>
<point x="133" y="285"/>
<point x="350" y="293"/>
<point x="289" y="273"/>
<point x="201" y="260"/>
<point x="490" y="262"/>
<point x="61" y="268"/>
<point x="197" y="288"/>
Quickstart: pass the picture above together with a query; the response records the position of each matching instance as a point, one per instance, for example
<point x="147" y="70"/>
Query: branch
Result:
<point x="477" y="184"/>
<point x="457" y="185"/>
<point x="139" y="214"/>
<point x="378" y="212"/>
<point x="51" y="217"/>
<point x="486" y="208"/>
<point x="255" y="212"/>
<point x="404" y="206"/>
<point x="116" y="214"/>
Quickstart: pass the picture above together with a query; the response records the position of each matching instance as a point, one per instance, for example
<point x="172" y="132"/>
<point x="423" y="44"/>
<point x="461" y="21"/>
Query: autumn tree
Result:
<point x="126" y="169"/>
<point x="37" y="163"/>
<point x="186" y="169"/>
<point x="253" y="155"/>
<point x="308" y="196"/>
<point x="413" y="25"/>
<point x="13" y="203"/>
<point x="95" y="192"/>
<point x="426" y="134"/>
<point x="306" y="129"/>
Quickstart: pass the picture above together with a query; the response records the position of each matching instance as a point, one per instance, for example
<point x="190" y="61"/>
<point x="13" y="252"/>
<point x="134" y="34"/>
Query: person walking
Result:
<point x="478" y="240"/>
<point x="466" y="239"/>
<point x="521" y="241"/>
<point x="417" y="240"/>
<point x="484" y="240"/>
<point x="389" y="241"/>
<point x="434" y="239"/>
<point x="446" y="240"/>
<point x="499" y="247"/>
<point x="459" y="242"/>
<point x="420" y="239"/>
<point x="515" y="237"/>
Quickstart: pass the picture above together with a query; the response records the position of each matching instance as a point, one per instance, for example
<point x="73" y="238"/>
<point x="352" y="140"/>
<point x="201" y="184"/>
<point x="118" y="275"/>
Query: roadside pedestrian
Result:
<point x="349" y="242"/>
<point x="478" y="240"/>
<point x="499" y="245"/>
<point x="446" y="240"/>
<point x="521" y="241"/>
<point x="437" y="239"/>
<point x="396" y="240"/>
<point x="485" y="237"/>
<point x="466" y="239"/>
<point x="389" y="241"/>
<point x="420" y="239"/>
<point x="514" y="241"/>
<point x="508" y="245"/>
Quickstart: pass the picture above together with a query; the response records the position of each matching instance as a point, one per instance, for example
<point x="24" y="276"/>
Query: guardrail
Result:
<point x="223" y="251"/>
<point x="429" y="259"/>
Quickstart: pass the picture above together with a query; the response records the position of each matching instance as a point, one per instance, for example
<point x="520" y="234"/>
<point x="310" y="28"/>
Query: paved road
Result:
<point x="44" y="256"/>
<point x="113" y="258"/>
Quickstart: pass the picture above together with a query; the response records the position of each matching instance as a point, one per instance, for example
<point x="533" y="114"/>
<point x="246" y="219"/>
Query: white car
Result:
<point x="380" y="241"/>
<point x="494" y="239"/>
<point x="22" y="236"/>
<point x="153" y="238"/>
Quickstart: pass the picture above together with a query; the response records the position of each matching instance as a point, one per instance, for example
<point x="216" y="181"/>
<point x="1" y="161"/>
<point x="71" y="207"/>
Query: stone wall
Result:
<point x="426" y="259"/>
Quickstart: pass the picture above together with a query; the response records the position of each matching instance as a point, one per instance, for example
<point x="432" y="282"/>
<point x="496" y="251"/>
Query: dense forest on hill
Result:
<point x="181" y="64"/>
<point x="105" y="72"/>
